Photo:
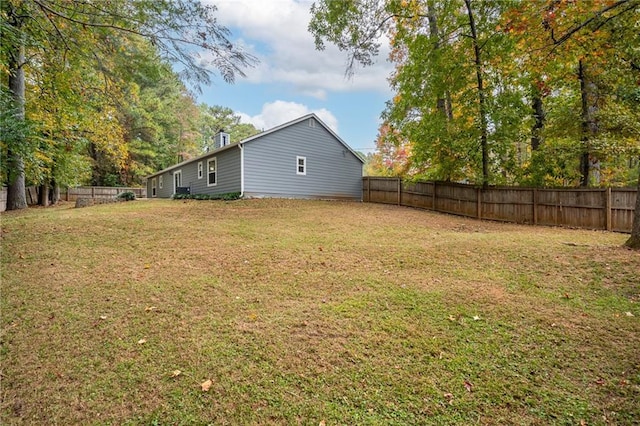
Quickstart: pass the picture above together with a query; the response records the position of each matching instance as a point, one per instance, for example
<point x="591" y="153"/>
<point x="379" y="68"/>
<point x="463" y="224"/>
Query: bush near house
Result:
<point x="126" y="196"/>
<point x="226" y="197"/>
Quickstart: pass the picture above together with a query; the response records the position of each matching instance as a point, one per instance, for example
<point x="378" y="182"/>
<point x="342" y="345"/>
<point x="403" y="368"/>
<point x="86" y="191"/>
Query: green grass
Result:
<point x="306" y="311"/>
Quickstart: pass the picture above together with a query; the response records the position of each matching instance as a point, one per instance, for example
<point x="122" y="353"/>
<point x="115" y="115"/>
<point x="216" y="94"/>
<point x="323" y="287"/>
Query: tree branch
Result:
<point x="566" y="36"/>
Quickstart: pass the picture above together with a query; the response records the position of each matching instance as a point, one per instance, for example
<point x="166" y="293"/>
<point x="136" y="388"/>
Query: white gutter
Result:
<point x="241" y="169"/>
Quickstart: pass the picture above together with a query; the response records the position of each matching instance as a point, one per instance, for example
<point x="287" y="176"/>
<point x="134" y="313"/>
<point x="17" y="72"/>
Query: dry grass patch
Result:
<point x="303" y="311"/>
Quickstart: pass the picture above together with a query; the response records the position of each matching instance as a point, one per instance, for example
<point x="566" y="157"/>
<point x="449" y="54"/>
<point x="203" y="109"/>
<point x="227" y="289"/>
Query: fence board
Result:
<point x="623" y="201"/>
<point x="593" y="208"/>
<point x="508" y="204"/>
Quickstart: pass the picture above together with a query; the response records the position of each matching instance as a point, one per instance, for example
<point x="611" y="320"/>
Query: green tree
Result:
<point x="450" y="95"/>
<point x="157" y="114"/>
<point x="214" y="119"/>
<point x="177" y="28"/>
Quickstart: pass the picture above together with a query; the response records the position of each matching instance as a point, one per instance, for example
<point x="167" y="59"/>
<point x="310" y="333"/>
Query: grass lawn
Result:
<point x="310" y="312"/>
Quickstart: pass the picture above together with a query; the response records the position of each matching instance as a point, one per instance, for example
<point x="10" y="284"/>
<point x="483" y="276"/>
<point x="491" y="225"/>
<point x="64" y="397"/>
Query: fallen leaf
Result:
<point x="206" y="385"/>
<point x="629" y="314"/>
<point x="176" y="373"/>
<point x="468" y="385"/>
<point x="449" y="397"/>
<point x="452" y="318"/>
<point x="600" y="381"/>
<point x="142" y="341"/>
<point x="147" y="266"/>
<point x="103" y="317"/>
<point x="322" y="423"/>
<point x="150" y="308"/>
<point x="476" y="318"/>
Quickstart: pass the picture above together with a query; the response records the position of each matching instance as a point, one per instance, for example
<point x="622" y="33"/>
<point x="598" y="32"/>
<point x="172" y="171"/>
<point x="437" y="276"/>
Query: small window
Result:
<point x="200" y="172"/>
<point x="160" y="182"/>
<point x="301" y="165"/>
<point x="312" y="122"/>
<point x="212" y="172"/>
<point x="153" y="188"/>
<point x="225" y="142"/>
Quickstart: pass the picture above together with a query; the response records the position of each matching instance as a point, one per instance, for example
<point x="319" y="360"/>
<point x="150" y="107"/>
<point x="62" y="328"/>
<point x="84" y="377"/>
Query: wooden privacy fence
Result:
<point x="72" y="194"/>
<point x="600" y="208"/>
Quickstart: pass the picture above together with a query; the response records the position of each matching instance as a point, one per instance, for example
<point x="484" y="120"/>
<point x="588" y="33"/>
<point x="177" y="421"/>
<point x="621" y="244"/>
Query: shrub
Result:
<point x="126" y="196"/>
<point x="226" y="197"/>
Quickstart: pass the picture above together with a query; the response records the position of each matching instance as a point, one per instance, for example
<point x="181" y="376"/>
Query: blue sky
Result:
<point x="292" y="78"/>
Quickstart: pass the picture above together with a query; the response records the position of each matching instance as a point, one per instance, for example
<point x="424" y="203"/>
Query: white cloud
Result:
<point x="276" y="32"/>
<point x="279" y="112"/>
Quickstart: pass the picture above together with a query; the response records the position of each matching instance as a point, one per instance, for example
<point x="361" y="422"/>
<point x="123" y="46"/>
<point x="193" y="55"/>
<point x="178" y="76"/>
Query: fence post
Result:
<point x="434" y="195"/>
<point x="368" y="189"/>
<point x="399" y="191"/>
<point x="535" y="206"/>
<point x="479" y="202"/>
<point x="607" y="206"/>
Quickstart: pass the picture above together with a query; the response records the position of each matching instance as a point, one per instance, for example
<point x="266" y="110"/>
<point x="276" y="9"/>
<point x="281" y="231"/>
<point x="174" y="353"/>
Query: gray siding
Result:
<point x="228" y="179"/>
<point x="332" y="170"/>
<point x="167" y="188"/>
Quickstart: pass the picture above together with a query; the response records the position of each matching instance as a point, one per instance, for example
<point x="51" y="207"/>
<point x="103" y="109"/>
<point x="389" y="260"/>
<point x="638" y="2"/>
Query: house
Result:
<point x="303" y="158"/>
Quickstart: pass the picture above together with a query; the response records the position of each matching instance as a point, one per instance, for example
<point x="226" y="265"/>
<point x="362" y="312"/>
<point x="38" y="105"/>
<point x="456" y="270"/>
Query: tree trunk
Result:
<point x="588" y="94"/>
<point x="16" y="190"/>
<point x="43" y="195"/>
<point x="539" y="120"/>
<point x="481" y="98"/>
<point x="441" y="103"/>
<point x="55" y="193"/>
<point x="634" y="241"/>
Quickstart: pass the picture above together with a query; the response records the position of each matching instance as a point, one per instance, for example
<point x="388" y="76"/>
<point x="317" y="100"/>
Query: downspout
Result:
<point x="241" y="170"/>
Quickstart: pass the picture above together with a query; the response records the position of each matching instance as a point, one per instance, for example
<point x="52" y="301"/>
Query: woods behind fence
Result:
<point x="592" y="208"/>
<point x="72" y="194"/>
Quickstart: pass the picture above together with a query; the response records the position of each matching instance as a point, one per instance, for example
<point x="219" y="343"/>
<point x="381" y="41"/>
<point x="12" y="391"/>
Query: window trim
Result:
<point x="200" y="170"/>
<point x="154" y="188"/>
<point x="303" y="165"/>
<point x="160" y="181"/>
<point x="215" y="161"/>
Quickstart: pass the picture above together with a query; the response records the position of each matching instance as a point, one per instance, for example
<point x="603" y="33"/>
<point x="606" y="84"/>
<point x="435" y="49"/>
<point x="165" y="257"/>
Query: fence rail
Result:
<point x="601" y="208"/>
<point x="72" y="194"/>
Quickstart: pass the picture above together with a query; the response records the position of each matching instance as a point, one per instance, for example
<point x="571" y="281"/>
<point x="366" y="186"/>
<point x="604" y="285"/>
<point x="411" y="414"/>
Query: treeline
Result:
<point x="89" y="94"/>
<point x="542" y="93"/>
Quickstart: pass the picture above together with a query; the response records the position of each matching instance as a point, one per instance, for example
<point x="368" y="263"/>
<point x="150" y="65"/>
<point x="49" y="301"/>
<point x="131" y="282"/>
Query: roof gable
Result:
<point x="258" y="137"/>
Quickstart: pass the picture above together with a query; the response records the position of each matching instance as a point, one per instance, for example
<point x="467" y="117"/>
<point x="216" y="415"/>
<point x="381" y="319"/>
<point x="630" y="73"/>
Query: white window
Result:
<point x="301" y="165"/>
<point x="212" y="171"/>
<point x="177" y="180"/>
<point x="225" y="140"/>
<point x="160" y="181"/>
<point x="312" y="122"/>
<point x="153" y="187"/>
<point x="200" y="172"/>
